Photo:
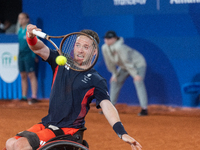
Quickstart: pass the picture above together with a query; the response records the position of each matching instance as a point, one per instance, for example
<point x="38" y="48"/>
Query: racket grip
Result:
<point x="40" y="34"/>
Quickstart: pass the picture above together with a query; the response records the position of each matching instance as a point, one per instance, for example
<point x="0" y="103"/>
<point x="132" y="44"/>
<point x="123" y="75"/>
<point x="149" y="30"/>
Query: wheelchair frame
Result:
<point x="67" y="142"/>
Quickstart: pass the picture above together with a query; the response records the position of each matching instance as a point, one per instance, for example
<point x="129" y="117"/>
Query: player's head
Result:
<point x="85" y="47"/>
<point x="110" y="38"/>
<point x="23" y="19"/>
<point x="92" y="34"/>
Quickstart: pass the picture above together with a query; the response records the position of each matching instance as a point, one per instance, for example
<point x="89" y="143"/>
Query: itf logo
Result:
<point x="6" y="59"/>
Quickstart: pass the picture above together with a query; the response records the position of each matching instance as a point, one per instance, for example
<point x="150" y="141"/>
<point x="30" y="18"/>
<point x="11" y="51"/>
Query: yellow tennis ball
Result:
<point x="61" y="60"/>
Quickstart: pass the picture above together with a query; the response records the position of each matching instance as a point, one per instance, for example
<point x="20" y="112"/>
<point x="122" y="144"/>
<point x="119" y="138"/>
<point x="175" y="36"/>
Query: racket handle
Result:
<point x="39" y="33"/>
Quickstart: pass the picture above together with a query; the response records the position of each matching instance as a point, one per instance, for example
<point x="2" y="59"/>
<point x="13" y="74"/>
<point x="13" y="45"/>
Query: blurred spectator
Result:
<point x="129" y="62"/>
<point x="26" y="60"/>
<point x="9" y="27"/>
<point x="9" y="10"/>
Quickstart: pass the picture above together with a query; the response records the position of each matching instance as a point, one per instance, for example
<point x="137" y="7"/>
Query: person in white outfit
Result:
<point x="122" y="61"/>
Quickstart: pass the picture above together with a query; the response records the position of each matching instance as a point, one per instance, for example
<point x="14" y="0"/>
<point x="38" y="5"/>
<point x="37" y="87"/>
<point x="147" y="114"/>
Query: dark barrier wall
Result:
<point x="166" y="33"/>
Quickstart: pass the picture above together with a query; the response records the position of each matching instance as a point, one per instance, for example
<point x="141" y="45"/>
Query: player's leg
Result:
<point x="18" y="144"/>
<point x="10" y="143"/>
<point x="115" y="87"/>
<point x="50" y="132"/>
<point x="26" y="140"/>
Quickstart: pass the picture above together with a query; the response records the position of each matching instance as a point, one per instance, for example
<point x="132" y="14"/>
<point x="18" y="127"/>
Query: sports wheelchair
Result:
<point x="67" y="142"/>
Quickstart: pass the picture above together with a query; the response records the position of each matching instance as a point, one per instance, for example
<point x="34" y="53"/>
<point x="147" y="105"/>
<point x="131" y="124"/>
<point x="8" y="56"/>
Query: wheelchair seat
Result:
<point x="76" y="137"/>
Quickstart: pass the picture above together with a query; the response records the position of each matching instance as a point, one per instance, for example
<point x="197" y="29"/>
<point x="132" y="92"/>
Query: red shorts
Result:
<point x="46" y="134"/>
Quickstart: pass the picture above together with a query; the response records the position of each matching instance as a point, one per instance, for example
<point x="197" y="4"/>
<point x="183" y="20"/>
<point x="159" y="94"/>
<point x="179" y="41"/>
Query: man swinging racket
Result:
<point x="70" y="95"/>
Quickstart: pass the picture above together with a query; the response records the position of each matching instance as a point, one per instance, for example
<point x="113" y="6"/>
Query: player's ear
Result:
<point x="95" y="52"/>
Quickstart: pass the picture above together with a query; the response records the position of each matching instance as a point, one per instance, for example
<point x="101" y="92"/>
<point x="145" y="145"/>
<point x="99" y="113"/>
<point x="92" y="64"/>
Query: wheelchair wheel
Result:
<point x="63" y="145"/>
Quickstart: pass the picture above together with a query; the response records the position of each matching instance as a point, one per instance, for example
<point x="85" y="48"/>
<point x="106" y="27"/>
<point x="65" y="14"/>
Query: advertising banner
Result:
<point x="137" y="7"/>
<point x="8" y="62"/>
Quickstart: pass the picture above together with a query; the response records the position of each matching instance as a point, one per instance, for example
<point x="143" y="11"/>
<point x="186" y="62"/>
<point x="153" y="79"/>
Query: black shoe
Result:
<point x="101" y="112"/>
<point x="24" y="99"/>
<point x="33" y="100"/>
<point x="143" y="112"/>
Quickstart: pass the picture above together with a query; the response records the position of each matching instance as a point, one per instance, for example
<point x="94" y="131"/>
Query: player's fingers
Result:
<point x="30" y="27"/>
<point x="38" y="29"/>
<point x="135" y="147"/>
<point x="138" y="144"/>
<point x="134" y="144"/>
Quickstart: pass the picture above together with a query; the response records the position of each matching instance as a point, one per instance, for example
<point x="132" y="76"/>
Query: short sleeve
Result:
<point x="101" y="92"/>
<point x="51" y="59"/>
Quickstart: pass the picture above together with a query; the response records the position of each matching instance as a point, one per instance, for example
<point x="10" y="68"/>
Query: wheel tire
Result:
<point x="60" y="144"/>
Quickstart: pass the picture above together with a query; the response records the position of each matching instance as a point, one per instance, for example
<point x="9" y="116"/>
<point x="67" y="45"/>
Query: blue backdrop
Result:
<point x="167" y="34"/>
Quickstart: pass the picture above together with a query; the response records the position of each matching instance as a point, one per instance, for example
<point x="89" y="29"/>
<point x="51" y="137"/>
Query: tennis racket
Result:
<point x="80" y="49"/>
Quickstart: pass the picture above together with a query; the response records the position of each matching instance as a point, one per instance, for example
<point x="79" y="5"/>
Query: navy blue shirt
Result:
<point x="71" y="94"/>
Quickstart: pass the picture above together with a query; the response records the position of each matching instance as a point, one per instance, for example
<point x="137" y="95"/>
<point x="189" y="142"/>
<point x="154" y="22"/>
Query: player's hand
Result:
<point x="113" y="79"/>
<point x="30" y="28"/>
<point x="138" y="78"/>
<point x="134" y="144"/>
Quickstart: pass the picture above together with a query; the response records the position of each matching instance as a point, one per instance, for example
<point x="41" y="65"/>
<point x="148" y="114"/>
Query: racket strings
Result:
<point x="68" y="50"/>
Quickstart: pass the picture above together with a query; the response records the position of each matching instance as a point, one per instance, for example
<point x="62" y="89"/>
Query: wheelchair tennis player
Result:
<point x="71" y="93"/>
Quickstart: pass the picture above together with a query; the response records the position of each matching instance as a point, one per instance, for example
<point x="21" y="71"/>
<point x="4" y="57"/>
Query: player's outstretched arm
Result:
<point x="112" y="116"/>
<point x="36" y="45"/>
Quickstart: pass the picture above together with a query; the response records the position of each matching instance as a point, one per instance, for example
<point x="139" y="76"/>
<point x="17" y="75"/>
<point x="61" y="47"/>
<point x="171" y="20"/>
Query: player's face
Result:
<point x="23" y="20"/>
<point x="84" y="49"/>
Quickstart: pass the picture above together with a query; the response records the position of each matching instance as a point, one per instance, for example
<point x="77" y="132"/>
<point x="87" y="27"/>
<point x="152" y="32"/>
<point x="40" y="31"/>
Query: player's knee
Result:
<point x="21" y="144"/>
<point x="10" y="143"/>
<point x="17" y="146"/>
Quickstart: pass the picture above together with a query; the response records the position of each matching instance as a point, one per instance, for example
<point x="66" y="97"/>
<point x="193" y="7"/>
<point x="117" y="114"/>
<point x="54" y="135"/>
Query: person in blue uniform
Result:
<point x="71" y="94"/>
<point x="26" y="61"/>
